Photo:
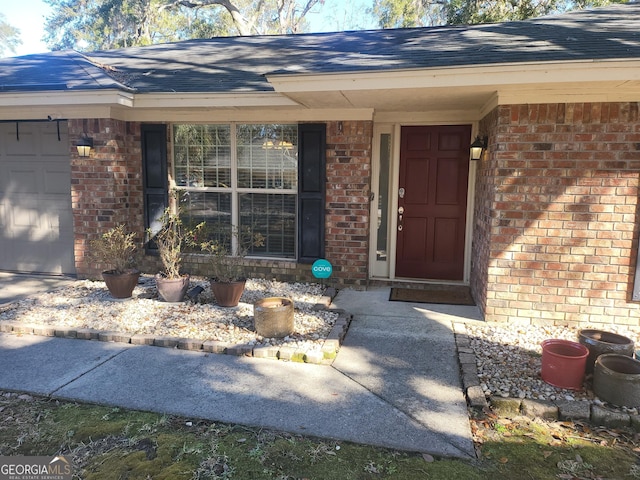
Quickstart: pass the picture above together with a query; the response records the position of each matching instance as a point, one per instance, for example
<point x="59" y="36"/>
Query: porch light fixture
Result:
<point x="478" y="146"/>
<point x="84" y="146"/>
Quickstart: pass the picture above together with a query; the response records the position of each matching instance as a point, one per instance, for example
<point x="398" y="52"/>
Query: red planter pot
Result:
<point x="564" y="363"/>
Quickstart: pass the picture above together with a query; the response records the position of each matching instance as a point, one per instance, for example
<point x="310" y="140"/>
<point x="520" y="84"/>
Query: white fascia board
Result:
<point x="56" y="112"/>
<point x="82" y="97"/>
<point x="117" y="98"/>
<point x="267" y="115"/>
<point x="212" y="100"/>
<point x="481" y="75"/>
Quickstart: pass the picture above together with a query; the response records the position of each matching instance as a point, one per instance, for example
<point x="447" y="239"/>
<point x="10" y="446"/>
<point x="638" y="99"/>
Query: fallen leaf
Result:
<point x="503" y="460"/>
<point x="547" y="453"/>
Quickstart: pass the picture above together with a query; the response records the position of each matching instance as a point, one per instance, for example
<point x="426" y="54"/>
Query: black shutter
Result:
<point x="155" y="178"/>
<point x="311" y="191"/>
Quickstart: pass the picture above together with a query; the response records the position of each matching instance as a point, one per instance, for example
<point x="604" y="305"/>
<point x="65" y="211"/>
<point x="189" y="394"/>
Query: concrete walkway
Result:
<point x="15" y="286"/>
<point x="395" y="382"/>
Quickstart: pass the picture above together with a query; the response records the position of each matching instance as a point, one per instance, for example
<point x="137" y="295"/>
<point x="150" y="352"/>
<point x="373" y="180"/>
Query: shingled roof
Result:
<point x="239" y="64"/>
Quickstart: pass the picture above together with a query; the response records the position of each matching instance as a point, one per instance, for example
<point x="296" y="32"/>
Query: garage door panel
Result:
<point x="22" y="181"/>
<point x="55" y="218"/>
<point x="23" y="216"/>
<point x="35" y="199"/>
<point x="24" y="145"/>
<point x="53" y="147"/>
<point x="23" y="260"/>
<point x="56" y="181"/>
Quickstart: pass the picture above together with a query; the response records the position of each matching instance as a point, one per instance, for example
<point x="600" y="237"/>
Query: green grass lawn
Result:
<point x="110" y="443"/>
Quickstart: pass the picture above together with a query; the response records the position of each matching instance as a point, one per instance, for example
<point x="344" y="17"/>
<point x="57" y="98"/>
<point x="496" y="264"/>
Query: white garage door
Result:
<point x="35" y="198"/>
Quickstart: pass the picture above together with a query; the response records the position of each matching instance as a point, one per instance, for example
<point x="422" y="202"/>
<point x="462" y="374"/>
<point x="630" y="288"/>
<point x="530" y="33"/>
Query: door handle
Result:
<point x="400" y="213"/>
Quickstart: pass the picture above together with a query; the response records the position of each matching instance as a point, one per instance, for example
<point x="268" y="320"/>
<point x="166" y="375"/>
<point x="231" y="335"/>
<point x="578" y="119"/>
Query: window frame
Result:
<point x="235" y="190"/>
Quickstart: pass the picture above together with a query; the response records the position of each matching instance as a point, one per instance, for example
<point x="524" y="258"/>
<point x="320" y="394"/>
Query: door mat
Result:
<point x="445" y="294"/>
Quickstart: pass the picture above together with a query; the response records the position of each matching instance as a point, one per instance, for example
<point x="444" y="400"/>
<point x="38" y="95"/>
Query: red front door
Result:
<point x="432" y="202"/>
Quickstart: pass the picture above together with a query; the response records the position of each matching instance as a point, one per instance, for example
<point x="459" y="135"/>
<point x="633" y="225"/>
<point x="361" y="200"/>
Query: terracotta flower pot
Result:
<point x="227" y="294"/>
<point x="121" y="285"/>
<point x="172" y="289"/>
<point x="563" y="363"/>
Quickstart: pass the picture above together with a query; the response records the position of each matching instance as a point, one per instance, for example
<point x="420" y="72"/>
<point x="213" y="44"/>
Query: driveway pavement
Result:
<point x="395" y="382"/>
<point x="14" y="286"/>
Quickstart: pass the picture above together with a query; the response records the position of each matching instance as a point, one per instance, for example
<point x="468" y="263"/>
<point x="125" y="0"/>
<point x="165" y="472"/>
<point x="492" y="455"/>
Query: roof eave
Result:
<point x="465" y="76"/>
<point x="212" y="100"/>
<point x="114" y="97"/>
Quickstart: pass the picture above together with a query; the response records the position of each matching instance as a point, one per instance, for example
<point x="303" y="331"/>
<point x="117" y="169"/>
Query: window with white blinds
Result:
<point x="240" y="176"/>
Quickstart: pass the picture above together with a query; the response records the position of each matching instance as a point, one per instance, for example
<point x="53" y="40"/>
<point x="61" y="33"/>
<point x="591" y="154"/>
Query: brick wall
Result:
<point x="482" y="216"/>
<point x="280" y="270"/>
<point x="556" y="214"/>
<point x="347" y="200"/>
<point x="106" y="188"/>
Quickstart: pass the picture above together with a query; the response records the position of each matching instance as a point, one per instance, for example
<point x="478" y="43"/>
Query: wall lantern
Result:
<point x="84" y="146"/>
<point x="478" y="146"/>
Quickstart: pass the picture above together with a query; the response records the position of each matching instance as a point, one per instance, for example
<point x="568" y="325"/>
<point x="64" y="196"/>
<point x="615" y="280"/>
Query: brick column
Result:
<point x="556" y="222"/>
<point x="347" y="203"/>
<point x="106" y="188"/>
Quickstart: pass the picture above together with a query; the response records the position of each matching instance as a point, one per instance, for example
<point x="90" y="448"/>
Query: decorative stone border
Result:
<point x="325" y="356"/>
<point x="548" y="410"/>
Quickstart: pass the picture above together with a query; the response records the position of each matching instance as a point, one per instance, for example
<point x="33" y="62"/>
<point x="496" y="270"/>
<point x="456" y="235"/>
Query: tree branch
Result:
<point x="238" y="19"/>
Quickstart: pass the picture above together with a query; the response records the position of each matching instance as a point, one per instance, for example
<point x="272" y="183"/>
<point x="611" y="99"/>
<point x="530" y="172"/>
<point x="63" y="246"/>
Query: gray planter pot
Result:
<point x="616" y="379"/>
<point x="599" y="342"/>
<point x="172" y="289"/>
<point x="273" y="317"/>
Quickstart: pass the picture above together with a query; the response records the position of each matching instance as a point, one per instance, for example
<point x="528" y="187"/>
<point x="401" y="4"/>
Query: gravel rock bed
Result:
<point x="88" y="304"/>
<point x="509" y="360"/>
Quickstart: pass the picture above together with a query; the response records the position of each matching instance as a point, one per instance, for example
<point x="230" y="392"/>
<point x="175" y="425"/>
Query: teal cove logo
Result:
<point x="321" y="268"/>
<point x="35" y="468"/>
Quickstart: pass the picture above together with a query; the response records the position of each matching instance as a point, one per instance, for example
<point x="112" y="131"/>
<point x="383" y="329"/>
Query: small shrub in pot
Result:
<point x="118" y="250"/>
